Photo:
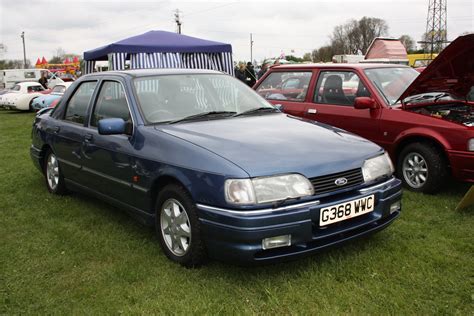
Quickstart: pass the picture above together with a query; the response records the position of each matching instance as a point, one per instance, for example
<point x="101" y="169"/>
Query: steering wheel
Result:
<point x="159" y="113"/>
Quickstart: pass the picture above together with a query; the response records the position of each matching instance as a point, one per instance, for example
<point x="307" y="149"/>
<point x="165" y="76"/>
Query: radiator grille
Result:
<point x="325" y="184"/>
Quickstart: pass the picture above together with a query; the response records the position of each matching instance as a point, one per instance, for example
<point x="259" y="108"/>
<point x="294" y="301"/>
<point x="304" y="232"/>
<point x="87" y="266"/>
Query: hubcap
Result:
<point x="415" y="170"/>
<point x="175" y="227"/>
<point x="52" y="172"/>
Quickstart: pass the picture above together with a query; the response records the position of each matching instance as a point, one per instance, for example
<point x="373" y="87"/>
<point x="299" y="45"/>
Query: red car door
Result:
<point x="333" y="103"/>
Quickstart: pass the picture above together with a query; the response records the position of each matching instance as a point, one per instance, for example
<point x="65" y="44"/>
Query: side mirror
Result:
<point x="362" y="103"/>
<point x="111" y="126"/>
<point x="279" y="107"/>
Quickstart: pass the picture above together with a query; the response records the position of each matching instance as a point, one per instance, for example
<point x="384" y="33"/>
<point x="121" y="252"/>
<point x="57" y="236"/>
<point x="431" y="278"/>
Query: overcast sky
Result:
<point x="294" y="27"/>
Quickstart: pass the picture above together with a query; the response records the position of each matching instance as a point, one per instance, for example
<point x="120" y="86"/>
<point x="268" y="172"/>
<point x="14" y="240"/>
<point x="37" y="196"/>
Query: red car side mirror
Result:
<point x="362" y="103"/>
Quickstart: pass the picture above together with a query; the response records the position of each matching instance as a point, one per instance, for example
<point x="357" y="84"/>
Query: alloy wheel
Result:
<point x="415" y="170"/>
<point x="52" y="172"/>
<point x="175" y="227"/>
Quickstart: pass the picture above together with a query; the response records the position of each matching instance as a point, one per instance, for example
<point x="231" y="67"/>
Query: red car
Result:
<point x="424" y="120"/>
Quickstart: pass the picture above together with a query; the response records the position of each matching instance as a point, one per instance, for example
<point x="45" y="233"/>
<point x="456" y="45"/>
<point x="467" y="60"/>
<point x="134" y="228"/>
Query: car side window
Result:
<point x="339" y="88"/>
<point x="291" y="86"/>
<point x="77" y="107"/>
<point x="111" y="103"/>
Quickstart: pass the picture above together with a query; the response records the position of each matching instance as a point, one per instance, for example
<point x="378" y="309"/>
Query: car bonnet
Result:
<point x="452" y="71"/>
<point x="276" y="143"/>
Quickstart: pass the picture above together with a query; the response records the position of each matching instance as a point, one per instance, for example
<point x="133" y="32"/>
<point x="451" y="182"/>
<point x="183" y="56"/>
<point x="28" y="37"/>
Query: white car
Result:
<point x="21" y="95"/>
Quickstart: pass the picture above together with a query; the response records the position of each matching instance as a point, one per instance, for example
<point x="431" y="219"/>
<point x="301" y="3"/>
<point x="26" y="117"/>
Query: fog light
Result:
<point x="395" y="207"/>
<point x="275" y="242"/>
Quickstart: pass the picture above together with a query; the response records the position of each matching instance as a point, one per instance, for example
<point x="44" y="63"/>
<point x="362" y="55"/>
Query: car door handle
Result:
<point x="312" y="111"/>
<point x="88" y="138"/>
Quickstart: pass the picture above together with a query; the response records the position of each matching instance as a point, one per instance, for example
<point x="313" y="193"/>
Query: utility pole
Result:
<point x="251" y="48"/>
<point x="178" y="21"/>
<point x="24" y="49"/>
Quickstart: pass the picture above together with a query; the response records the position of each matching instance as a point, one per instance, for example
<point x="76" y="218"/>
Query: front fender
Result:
<point x="421" y="132"/>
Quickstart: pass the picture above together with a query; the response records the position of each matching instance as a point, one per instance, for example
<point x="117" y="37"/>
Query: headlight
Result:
<point x="377" y="167"/>
<point x="470" y="144"/>
<point x="267" y="189"/>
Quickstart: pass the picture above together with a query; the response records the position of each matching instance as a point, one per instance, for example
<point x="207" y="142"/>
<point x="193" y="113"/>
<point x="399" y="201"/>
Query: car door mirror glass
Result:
<point x="112" y="126"/>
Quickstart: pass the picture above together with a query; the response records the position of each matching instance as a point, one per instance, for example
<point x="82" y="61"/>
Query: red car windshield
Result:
<point x="391" y="82"/>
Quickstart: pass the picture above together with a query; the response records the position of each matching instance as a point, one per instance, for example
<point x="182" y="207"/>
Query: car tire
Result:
<point x="30" y="106"/>
<point x="178" y="227"/>
<point x="53" y="175"/>
<point x="422" y="168"/>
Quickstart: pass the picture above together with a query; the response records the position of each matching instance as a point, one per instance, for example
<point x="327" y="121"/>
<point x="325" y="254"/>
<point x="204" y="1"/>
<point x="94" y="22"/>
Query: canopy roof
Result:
<point x="386" y="48"/>
<point x="158" y="41"/>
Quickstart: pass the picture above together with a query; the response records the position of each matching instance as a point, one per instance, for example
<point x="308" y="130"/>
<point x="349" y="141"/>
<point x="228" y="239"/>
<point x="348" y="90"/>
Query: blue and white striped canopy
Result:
<point x="159" y="49"/>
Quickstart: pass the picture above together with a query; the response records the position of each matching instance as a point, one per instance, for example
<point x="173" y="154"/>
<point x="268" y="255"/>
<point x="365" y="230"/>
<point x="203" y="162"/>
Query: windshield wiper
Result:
<point x="257" y="110"/>
<point x="441" y="95"/>
<point x="427" y="96"/>
<point x="203" y="115"/>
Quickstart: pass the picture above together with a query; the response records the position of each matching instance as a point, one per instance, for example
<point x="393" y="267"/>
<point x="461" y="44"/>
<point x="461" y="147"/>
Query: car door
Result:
<point x="287" y="88"/>
<point x="68" y="132"/>
<point x="333" y="103"/>
<point x="109" y="159"/>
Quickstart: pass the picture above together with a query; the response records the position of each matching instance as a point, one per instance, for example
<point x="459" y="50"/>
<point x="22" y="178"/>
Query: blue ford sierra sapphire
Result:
<point x="216" y="169"/>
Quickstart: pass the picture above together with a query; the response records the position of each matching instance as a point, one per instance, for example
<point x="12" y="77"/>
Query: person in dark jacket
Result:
<point x="250" y="73"/>
<point x="241" y="73"/>
<point x="43" y="80"/>
<point x="262" y="71"/>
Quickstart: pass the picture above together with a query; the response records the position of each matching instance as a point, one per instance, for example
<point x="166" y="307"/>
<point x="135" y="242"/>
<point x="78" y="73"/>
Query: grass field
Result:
<point x="75" y="254"/>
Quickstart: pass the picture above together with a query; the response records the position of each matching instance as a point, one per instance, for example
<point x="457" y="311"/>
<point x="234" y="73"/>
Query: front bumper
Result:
<point x="462" y="165"/>
<point x="236" y="236"/>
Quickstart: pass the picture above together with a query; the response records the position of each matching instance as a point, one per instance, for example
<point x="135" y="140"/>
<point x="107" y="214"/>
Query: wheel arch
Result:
<point x="162" y="181"/>
<point x="438" y="143"/>
<point x="44" y="150"/>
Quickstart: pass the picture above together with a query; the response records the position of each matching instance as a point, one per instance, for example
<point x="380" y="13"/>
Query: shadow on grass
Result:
<point x="230" y="271"/>
<point x="342" y="255"/>
<point x="13" y="112"/>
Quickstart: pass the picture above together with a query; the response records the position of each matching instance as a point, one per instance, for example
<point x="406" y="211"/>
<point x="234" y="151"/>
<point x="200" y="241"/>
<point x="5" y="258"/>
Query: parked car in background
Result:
<point x="217" y="169"/>
<point x="10" y="77"/>
<point x="422" y="120"/>
<point x="21" y="96"/>
<point x="48" y="100"/>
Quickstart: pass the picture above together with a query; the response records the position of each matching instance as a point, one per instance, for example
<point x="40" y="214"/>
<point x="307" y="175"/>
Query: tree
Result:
<point x="370" y="28"/>
<point x="59" y="56"/>
<point x="323" y="54"/>
<point x="294" y="58"/>
<point x="307" y="57"/>
<point x="355" y="37"/>
<point x="408" y="42"/>
<point x="14" y="64"/>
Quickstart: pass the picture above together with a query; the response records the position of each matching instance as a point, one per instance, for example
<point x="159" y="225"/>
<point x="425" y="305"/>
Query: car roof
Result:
<point x="153" y="72"/>
<point x="28" y="83"/>
<point x="333" y="65"/>
<point x="66" y="84"/>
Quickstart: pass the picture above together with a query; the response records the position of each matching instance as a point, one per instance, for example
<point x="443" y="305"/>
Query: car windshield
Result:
<point x="171" y="98"/>
<point x="391" y="82"/>
<point x="35" y="88"/>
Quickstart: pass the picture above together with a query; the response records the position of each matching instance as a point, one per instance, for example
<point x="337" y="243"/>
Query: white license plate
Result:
<point x="336" y="213"/>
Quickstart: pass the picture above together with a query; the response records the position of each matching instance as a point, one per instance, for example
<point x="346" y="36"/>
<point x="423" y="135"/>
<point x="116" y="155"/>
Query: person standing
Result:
<point x="241" y="73"/>
<point x="250" y="74"/>
<point x="262" y="71"/>
<point x="43" y="80"/>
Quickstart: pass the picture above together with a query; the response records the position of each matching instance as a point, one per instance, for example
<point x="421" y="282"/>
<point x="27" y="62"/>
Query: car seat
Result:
<point x="333" y="93"/>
